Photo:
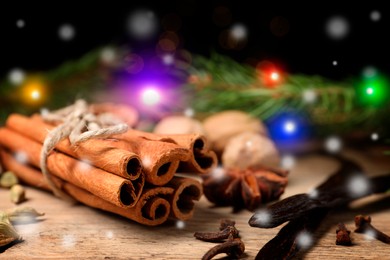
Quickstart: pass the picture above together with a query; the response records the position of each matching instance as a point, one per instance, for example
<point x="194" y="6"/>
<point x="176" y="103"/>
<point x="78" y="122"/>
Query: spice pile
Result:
<point x="76" y="154"/>
<point x="249" y="175"/>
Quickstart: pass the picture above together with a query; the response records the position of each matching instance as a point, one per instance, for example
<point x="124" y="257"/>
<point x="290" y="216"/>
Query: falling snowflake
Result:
<point x="180" y="224"/>
<point x="68" y="241"/>
<point x="20" y="23"/>
<point x="304" y="239"/>
<point x="21" y="157"/>
<point x="374" y="136"/>
<point x="288" y="161"/>
<point x="313" y="193"/>
<point x="335" y="63"/>
<point x="168" y="59"/>
<point x="109" y="234"/>
<point x="146" y="162"/>
<point x="309" y="96"/>
<point x="44" y="111"/>
<point x="84" y="165"/>
<point x="142" y="24"/>
<point x="337" y="27"/>
<point x="66" y="32"/>
<point x="375" y="16"/>
<point x="108" y="55"/>
<point x="369" y="72"/>
<point x="263" y="217"/>
<point x="358" y="186"/>
<point x="333" y="144"/>
<point x="189" y="112"/>
<point x="16" y="76"/>
<point x="218" y="173"/>
<point x="369" y="235"/>
<point x="238" y="32"/>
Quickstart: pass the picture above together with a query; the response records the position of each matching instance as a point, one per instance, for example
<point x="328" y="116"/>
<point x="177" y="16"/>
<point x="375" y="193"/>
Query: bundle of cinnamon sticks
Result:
<point x="132" y="174"/>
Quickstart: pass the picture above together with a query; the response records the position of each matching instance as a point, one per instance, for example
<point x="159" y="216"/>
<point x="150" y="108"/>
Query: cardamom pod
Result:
<point x="17" y="193"/>
<point x="8" y="179"/>
<point x="23" y="215"/>
<point x="8" y="234"/>
<point x="4" y="217"/>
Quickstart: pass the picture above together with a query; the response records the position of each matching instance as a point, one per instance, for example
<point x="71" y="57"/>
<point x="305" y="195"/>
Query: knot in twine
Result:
<point x="79" y="124"/>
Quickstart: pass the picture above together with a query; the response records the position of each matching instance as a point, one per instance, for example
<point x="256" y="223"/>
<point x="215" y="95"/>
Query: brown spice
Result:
<point x="343" y="235"/>
<point x="233" y="246"/>
<point x="247" y="188"/>
<point x="363" y="225"/>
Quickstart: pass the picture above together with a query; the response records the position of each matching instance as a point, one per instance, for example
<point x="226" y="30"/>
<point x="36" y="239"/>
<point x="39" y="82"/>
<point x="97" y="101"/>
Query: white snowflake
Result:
<point x="108" y="55"/>
<point x="146" y="162"/>
<point x="309" y="96"/>
<point x="313" y="193"/>
<point x="337" y="27"/>
<point x="288" y="161"/>
<point x="369" y="72"/>
<point x="335" y="63"/>
<point x="20" y="23"/>
<point x="218" y="173"/>
<point x="84" y="165"/>
<point x="180" y="224"/>
<point x="369" y="235"/>
<point x="168" y="59"/>
<point x="68" y="241"/>
<point x="333" y="144"/>
<point x="304" y="239"/>
<point x="374" y="136"/>
<point x="66" y="32"/>
<point x="44" y="111"/>
<point x="142" y="24"/>
<point x="16" y="76"/>
<point x="189" y="112"/>
<point x="239" y="32"/>
<point x="109" y="234"/>
<point x="21" y="157"/>
<point x="262" y="217"/>
<point x="375" y="15"/>
<point x="358" y="186"/>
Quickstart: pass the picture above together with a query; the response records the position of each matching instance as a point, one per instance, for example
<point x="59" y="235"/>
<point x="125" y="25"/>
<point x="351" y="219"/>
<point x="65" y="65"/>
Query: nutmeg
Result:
<point x="179" y="125"/>
<point x="249" y="149"/>
<point x="222" y="126"/>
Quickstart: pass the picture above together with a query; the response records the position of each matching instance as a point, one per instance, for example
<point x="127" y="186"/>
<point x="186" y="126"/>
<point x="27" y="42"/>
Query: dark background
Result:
<point x="305" y="48"/>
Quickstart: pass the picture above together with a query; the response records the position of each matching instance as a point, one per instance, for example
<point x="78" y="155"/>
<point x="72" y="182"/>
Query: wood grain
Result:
<point x="79" y="232"/>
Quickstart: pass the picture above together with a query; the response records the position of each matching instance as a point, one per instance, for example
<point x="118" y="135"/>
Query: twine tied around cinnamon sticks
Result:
<point x="79" y="124"/>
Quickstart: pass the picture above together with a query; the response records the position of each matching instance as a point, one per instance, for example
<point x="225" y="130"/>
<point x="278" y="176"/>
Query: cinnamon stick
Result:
<point x="128" y="114"/>
<point x="105" y="185"/>
<point x="202" y="159"/>
<point x="126" y="164"/>
<point x="152" y="208"/>
<point x="186" y="190"/>
<point x="160" y="156"/>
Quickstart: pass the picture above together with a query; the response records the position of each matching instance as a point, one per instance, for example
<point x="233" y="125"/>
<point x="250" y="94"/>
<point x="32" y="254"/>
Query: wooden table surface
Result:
<point x="79" y="232"/>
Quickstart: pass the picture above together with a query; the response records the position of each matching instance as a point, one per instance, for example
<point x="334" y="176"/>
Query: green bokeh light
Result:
<point x="373" y="90"/>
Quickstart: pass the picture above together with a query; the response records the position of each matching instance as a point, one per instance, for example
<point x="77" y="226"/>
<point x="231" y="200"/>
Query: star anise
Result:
<point x="245" y="188"/>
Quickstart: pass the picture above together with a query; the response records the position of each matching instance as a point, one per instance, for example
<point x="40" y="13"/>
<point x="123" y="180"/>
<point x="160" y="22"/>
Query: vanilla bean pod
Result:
<point x="305" y="212"/>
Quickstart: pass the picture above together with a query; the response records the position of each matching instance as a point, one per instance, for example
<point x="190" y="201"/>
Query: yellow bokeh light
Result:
<point x="33" y="92"/>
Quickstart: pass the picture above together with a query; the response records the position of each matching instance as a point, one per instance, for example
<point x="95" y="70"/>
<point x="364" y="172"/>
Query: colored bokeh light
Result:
<point x="150" y="96"/>
<point x="372" y="89"/>
<point x="34" y="92"/>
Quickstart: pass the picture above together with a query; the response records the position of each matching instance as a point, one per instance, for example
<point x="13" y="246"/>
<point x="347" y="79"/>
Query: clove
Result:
<point x="217" y="236"/>
<point x="343" y="235"/>
<point x="233" y="247"/>
<point x="363" y="225"/>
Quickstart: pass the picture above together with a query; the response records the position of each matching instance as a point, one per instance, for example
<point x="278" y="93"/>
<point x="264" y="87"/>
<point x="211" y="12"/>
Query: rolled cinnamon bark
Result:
<point x="124" y="112"/>
<point x="202" y="159"/>
<point x="152" y="209"/>
<point x="109" y="158"/>
<point x="160" y="156"/>
<point x="186" y="190"/>
<point x="105" y="185"/>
